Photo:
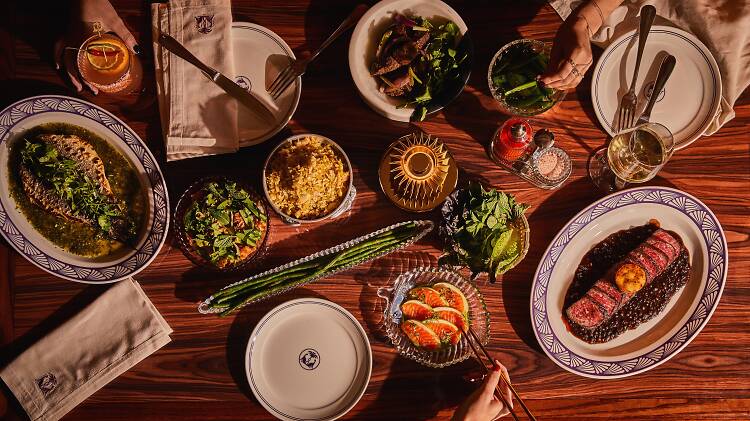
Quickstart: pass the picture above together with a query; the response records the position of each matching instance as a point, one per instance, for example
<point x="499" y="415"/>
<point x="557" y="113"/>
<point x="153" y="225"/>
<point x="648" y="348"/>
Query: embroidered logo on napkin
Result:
<point x="46" y="383"/>
<point x="204" y="23"/>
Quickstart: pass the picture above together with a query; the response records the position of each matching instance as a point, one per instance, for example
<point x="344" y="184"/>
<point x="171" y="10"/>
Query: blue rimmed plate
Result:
<point x="308" y="359"/>
<point x="654" y="342"/>
<point x="31" y="112"/>
<point x="689" y="101"/>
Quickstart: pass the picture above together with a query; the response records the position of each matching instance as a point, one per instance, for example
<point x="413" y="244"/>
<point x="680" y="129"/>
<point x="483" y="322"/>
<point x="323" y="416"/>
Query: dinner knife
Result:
<point x="665" y="70"/>
<point x="229" y="86"/>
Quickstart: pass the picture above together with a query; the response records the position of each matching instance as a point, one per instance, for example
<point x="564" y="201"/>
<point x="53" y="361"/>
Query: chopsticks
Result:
<point x="474" y="338"/>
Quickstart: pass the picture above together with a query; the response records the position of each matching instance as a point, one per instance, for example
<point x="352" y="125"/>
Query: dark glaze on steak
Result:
<point x="592" y="281"/>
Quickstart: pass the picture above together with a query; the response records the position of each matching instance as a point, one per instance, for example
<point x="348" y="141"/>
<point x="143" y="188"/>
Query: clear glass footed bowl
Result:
<point x="479" y="317"/>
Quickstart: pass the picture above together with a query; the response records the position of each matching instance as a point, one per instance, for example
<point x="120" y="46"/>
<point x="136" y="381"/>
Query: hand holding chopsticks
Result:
<point x="492" y="371"/>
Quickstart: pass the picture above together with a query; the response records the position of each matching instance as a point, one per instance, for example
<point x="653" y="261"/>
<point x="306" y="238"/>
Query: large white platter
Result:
<point x="27" y="113"/>
<point x="659" y="339"/>
<point x="690" y="99"/>
<point x="308" y="359"/>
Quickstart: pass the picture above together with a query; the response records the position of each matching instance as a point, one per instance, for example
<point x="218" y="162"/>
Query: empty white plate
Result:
<point x="689" y="100"/>
<point x="259" y="56"/>
<point x="308" y="359"/>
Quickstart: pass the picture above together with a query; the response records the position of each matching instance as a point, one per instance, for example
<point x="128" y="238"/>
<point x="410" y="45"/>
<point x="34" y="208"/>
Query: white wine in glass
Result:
<point x="635" y="155"/>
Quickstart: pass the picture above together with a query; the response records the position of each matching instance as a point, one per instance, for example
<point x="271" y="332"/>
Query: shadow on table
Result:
<point x="547" y="219"/>
<point x="242" y="327"/>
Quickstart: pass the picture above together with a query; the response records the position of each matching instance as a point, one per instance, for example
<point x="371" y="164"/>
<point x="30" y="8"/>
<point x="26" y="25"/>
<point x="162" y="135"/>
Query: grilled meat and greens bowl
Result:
<point x="76" y="190"/>
<point x="421" y="62"/>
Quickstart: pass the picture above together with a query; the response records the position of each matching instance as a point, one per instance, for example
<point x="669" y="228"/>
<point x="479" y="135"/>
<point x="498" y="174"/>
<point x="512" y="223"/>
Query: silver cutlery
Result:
<point x="629" y="101"/>
<point x="665" y="70"/>
<point x="297" y="68"/>
<point x="228" y="85"/>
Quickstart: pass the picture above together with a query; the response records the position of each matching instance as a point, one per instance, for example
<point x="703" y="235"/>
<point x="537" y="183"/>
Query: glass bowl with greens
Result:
<point x="221" y="224"/>
<point x="513" y="75"/>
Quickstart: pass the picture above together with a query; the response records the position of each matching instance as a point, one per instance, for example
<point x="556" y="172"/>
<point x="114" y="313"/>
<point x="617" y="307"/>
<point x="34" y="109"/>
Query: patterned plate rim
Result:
<point x="148" y="250"/>
<point x="716" y="244"/>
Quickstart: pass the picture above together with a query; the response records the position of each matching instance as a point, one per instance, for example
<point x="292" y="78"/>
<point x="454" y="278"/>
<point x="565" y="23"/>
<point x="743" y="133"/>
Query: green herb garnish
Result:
<point x="481" y="230"/>
<point x="86" y="197"/>
<point x="226" y="224"/>
<point x="515" y="74"/>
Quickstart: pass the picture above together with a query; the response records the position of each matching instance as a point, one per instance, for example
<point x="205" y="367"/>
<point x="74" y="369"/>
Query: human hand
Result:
<point x="571" y="55"/>
<point x="482" y="404"/>
<point x="83" y="16"/>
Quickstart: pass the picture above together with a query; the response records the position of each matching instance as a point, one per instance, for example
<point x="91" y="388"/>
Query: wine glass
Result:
<point x="634" y="155"/>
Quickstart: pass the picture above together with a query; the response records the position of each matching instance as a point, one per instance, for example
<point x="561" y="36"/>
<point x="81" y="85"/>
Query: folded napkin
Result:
<point x="723" y="26"/>
<point x="108" y="337"/>
<point x="198" y="118"/>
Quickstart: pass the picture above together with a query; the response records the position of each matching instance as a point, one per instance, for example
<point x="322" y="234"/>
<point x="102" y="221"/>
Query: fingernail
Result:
<point x="137" y="49"/>
<point x="57" y="66"/>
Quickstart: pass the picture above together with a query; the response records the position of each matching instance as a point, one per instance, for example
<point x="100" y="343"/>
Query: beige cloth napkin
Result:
<point x="111" y="335"/>
<point x="198" y="118"/>
<point x="723" y="26"/>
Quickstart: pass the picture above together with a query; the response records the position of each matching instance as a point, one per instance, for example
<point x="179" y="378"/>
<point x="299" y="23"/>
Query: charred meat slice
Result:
<point x="402" y="84"/>
<point x="585" y="313"/>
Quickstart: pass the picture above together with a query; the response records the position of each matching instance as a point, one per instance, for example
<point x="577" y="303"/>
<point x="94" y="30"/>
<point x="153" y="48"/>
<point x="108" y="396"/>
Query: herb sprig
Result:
<point x="479" y="231"/>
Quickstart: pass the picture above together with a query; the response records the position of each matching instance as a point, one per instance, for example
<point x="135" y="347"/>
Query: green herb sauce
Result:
<point x="77" y="237"/>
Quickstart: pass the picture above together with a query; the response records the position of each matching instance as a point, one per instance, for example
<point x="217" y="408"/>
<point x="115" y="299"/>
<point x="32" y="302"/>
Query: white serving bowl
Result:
<point x="364" y="43"/>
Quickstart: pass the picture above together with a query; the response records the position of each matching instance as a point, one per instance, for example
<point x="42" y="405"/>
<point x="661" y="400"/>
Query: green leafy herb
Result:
<point x="515" y="74"/>
<point x="84" y="195"/>
<point x="480" y="228"/>
<point x="225" y="225"/>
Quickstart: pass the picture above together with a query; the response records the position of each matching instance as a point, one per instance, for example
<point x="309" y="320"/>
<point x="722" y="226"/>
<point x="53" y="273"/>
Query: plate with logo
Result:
<point x="691" y="97"/>
<point x="308" y="359"/>
<point x="259" y="56"/>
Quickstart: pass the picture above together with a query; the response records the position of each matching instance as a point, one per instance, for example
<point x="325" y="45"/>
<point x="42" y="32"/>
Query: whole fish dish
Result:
<point x="624" y="281"/>
<point x="76" y="190"/>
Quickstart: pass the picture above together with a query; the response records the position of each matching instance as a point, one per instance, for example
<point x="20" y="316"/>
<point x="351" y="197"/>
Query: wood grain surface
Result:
<point x="200" y="374"/>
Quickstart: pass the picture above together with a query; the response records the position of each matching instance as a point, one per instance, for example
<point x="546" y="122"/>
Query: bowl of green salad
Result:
<point x="221" y="223"/>
<point x="513" y="78"/>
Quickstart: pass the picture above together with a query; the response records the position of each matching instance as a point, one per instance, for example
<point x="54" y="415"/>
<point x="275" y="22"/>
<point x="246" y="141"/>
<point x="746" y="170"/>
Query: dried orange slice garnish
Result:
<point x="107" y="55"/>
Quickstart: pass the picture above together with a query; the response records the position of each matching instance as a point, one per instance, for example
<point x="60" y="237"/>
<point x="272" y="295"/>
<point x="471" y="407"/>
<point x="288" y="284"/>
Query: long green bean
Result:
<point x="231" y="298"/>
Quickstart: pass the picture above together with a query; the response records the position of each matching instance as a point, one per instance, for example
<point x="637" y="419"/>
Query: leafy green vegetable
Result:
<point x="514" y="77"/>
<point x="84" y="195"/>
<point x="480" y="229"/>
<point x="225" y="224"/>
<point x="434" y="69"/>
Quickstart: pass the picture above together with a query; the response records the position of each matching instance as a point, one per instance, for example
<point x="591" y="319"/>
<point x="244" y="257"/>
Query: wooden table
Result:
<point x="199" y="375"/>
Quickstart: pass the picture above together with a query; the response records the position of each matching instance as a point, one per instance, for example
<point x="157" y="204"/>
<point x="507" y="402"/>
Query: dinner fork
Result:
<point x="297" y="68"/>
<point x="665" y="70"/>
<point x="629" y="101"/>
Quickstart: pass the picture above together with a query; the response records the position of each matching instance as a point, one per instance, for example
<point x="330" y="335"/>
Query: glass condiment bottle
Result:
<point x="512" y="139"/>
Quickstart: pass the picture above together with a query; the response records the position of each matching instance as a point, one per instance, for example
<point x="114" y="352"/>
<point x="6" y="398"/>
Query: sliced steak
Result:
<point x="664" y="247"/>
<point x="661" y="259"/>
<point x="603" y="300"/>
<point x="585" y="313"/>
<point x="638" y="257"/>
<point x="610" y="290"/>
<point x="662" y="235"/>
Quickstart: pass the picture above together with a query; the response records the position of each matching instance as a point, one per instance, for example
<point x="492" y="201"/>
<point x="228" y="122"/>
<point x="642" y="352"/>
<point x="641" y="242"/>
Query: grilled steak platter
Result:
<point x="625" y="280"/>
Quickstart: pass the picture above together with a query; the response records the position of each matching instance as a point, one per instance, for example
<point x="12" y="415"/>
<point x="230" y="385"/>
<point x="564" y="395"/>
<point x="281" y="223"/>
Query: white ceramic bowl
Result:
<point x="364" y="43"/>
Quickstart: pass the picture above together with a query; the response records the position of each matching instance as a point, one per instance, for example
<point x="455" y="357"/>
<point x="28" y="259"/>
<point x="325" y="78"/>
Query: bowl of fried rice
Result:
<point x="308" y="178"/>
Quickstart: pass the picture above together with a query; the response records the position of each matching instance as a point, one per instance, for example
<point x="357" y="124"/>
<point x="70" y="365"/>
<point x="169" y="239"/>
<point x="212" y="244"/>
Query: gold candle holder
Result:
<point x="417" y="172"/>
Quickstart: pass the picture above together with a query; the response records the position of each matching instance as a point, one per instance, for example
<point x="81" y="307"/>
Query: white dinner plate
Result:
<point x="689" y="100"/>
<point x="662" y="337"/>
<point x="30" y="112"/>
<point x="259" y="56"/>
<point x="364" y="41"/>
<point x="308" y="359"/>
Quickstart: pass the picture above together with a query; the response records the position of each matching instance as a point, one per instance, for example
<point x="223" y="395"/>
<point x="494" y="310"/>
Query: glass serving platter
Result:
<point x="425" y="227"/>
<point x="479" y="317"/>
